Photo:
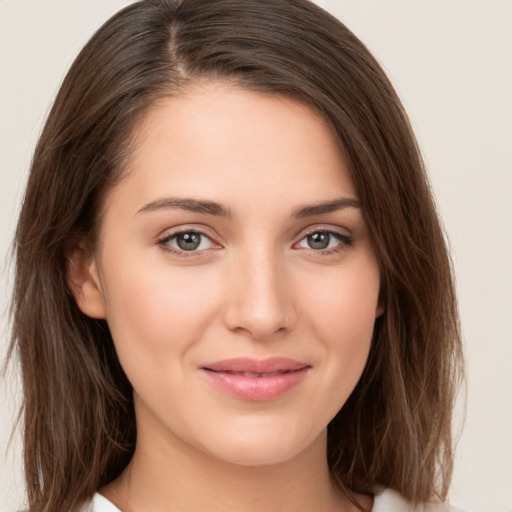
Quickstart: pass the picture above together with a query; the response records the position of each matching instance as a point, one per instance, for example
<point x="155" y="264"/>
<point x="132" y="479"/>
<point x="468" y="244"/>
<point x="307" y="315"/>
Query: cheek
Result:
<point x="344" y="304"/>
<point x="156" y="309"/>
<point x="342" y="315"/>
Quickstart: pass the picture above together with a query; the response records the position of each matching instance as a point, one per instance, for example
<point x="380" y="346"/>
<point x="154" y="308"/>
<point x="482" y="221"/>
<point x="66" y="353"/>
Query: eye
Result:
<point x="325" y="240"/>
<point x="186" y="241"/>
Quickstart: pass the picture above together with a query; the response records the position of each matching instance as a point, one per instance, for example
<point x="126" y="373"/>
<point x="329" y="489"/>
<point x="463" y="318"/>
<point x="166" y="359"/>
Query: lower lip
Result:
<point x="256" y="388"/>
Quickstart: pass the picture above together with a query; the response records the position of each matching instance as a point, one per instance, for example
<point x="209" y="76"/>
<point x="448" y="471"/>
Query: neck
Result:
<point x="167" y="475"/>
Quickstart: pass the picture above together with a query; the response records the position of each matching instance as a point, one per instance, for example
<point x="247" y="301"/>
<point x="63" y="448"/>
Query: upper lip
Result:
<point x="250" y="365"/>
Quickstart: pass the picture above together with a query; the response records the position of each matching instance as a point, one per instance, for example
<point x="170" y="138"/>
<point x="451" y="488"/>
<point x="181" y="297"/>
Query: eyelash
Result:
<point x="346" y="241"/>
<point x="164" y="241"/>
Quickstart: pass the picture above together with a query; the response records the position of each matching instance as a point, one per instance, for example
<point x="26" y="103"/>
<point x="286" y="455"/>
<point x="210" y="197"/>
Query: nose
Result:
<point x="260" y="300"/>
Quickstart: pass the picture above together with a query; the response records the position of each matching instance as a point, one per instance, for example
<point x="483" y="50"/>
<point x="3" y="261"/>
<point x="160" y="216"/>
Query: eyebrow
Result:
<point x="193" y="205"/>
<point x="326" y="207"/>
<point x="214" y="208"/>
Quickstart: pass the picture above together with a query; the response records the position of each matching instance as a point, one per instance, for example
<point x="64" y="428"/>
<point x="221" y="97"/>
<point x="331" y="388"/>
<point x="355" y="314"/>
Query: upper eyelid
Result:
<point x="169" y="233"/>
<point x="343" y="238"/>
<point x="304" y="233"/>
<point x="164" y="242"/>
<point x="172" y="232"/>
<point x="326" y="229"/>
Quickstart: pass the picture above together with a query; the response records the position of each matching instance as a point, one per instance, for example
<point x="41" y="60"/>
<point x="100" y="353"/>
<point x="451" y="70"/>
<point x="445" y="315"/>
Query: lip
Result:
<point x="256" y="379"/>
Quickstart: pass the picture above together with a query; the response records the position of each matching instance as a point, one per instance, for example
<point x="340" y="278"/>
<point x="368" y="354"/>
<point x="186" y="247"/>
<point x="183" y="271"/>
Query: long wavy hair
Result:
<point x="78" y="416"/>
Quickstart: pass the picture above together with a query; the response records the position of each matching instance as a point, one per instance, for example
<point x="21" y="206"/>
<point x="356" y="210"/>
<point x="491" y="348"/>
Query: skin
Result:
<point x="255" y="287"/>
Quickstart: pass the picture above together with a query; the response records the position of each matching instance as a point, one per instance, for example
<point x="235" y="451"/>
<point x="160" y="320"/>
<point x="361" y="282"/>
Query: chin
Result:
<point x="255" y="456"/>
<point x="264" y="446"/>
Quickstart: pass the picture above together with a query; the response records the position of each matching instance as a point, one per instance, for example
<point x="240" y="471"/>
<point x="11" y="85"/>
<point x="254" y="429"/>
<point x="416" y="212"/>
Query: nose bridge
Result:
<point x="260" y="302"/>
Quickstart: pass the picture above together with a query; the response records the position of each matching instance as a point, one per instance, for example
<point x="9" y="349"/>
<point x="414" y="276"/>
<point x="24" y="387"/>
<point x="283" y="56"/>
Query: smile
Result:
<point x="256" y="380"/>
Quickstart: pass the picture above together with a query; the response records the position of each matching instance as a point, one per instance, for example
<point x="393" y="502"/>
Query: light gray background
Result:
<point x="451" y="62"/>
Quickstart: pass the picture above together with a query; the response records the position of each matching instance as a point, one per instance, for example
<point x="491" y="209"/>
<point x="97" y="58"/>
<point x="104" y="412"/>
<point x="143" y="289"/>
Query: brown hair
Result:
<point x="79" y="425"/>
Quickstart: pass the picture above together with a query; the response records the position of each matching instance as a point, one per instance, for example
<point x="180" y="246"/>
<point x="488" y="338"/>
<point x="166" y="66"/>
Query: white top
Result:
<point x="386" y="501"/>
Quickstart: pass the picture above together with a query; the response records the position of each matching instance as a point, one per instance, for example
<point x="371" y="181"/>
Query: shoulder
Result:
<point x="385" y="501"/>
<point x="100" y="504"/>
<point x="390" y="501"/>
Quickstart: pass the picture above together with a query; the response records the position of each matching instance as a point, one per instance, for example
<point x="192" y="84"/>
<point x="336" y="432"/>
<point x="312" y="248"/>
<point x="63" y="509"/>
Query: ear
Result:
<point x="83" y="281"/>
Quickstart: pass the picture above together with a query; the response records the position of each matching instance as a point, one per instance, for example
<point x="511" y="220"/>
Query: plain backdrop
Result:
<point x="451" y="63"/>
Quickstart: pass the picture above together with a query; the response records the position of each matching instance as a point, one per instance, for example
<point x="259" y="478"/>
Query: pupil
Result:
<point x="319" y="240"/>
<point x="188" y="241"/>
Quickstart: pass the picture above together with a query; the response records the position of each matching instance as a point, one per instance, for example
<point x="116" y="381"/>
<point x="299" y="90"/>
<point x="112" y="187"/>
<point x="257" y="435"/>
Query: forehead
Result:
<point x="220" y="141"/>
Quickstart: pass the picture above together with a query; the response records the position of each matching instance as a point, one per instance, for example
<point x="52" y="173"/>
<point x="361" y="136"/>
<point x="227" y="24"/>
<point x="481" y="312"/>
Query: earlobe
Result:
<point x="380" y="307"/>
<point x="83" y="281"/>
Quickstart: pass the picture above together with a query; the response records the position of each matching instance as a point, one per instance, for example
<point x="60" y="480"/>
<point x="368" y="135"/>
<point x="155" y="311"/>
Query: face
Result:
<point x="236" y="274"/>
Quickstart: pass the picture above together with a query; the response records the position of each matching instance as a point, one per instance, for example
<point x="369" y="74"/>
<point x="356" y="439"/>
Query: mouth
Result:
<point x="253" y="374"/>
<point x="256" y="380"/>
<point x="247" y="365"/>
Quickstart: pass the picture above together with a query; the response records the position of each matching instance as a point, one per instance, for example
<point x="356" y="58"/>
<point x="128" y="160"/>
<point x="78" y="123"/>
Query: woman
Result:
<point x="232" y="288"/>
